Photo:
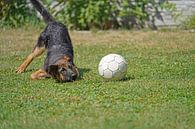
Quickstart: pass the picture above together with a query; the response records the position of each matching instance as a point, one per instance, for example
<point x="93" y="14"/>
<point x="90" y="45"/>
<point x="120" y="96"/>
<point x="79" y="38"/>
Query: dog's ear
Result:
<point x="53" y="70"/>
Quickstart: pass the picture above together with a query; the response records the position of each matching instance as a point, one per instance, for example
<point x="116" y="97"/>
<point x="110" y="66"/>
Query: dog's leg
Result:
<point x="38" y="50"/>
<point x="39" y="74"/>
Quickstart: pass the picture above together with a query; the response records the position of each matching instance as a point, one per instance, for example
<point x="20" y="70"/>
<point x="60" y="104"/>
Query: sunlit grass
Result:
<point x="158" y="92"/>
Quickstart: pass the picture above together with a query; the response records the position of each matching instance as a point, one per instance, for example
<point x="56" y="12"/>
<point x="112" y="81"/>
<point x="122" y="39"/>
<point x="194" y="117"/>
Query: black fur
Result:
<point x="46" y="16"/>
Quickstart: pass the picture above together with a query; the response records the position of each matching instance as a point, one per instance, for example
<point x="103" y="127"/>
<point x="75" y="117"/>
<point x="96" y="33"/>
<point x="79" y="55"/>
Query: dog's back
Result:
<point x="57" y="34"/>
<point x="58" y="43"/>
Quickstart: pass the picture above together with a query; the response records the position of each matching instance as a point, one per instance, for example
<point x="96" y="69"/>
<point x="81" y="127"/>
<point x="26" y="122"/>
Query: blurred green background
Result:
<point x="87" y="14"/>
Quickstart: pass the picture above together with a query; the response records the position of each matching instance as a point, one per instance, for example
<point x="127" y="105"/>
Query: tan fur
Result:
<point x="36" y="52"/>
<point x="39" y="74"/>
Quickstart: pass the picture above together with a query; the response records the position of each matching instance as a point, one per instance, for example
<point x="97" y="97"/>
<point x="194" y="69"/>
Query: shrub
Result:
<point x="104" y="14"/>
<point x="16" y="13"/>
<point x="189" y="23"/>
<point x="87" y="14"/>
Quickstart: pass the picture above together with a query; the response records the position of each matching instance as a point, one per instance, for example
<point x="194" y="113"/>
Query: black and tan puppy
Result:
<point x="59" y="60"/>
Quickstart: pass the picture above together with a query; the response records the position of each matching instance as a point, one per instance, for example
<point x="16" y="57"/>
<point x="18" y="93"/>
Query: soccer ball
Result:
<point x="112" y="66"/>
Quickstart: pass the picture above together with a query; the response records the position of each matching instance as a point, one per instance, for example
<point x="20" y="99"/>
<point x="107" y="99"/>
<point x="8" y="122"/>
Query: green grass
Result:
<point x="158" y="93"/>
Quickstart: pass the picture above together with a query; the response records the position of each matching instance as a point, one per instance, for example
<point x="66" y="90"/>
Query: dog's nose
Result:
<point x="71" y="78"/>
<point x="74" y="76"/>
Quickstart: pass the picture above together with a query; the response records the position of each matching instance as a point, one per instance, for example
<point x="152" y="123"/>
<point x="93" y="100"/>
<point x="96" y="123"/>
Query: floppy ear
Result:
<point x="53" y="70"/>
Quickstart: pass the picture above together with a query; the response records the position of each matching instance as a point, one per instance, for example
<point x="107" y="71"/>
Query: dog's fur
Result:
<point x="59" y="61"/>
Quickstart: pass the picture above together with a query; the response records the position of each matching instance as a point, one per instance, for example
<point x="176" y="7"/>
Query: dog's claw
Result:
<point x="19" y="70"/>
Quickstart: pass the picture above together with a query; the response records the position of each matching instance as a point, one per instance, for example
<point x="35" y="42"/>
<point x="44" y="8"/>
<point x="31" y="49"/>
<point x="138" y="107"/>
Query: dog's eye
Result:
<point x="62" y="70"/>
<point x="70" y="66"/>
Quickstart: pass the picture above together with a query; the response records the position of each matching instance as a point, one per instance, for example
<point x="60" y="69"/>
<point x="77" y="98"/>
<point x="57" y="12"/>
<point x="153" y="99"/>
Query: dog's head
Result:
<point x="64" y="70"/>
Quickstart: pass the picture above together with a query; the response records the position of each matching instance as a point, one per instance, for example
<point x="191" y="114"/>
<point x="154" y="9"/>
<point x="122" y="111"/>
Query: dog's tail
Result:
<point x="45" y="14"/>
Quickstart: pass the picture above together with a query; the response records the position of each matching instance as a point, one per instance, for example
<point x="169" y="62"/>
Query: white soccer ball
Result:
<point x="113" y="66"/>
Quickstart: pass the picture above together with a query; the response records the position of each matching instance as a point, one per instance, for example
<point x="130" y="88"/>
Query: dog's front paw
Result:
<point x="20" y="69"/>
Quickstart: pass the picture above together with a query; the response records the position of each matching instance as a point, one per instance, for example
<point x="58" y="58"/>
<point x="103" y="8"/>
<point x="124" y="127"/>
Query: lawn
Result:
<point x="158" y="92"/>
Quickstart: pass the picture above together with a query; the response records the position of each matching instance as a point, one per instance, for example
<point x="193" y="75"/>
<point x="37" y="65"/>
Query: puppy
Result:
<point x="59" y="60"/>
